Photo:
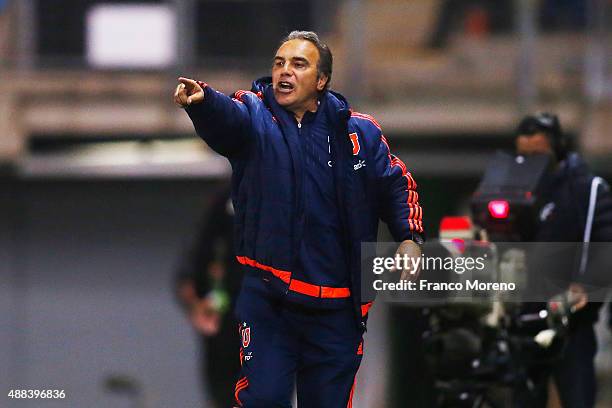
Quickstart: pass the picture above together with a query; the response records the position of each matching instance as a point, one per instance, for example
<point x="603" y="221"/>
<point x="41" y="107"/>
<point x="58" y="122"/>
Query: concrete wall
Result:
<point x="85" y="290"/>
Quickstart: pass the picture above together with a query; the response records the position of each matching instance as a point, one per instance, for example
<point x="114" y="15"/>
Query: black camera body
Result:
<point x="507" y="201"/>
<point x="472" y="361"/>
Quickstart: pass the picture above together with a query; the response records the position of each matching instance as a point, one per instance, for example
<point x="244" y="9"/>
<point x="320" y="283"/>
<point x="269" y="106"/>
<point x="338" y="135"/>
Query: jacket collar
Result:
<point x="336" y="106"/>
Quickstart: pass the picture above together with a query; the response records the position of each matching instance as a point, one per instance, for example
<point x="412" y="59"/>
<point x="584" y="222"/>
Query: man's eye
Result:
<point x="299" y="65"/>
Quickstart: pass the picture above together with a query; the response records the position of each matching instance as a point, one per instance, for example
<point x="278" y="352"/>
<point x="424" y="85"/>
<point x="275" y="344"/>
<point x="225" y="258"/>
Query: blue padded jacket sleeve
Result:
<point x="399" y="208"/>
<point x="222" y="122"/>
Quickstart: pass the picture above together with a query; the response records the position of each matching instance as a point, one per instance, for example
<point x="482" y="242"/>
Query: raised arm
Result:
<point x="221" y="121"/>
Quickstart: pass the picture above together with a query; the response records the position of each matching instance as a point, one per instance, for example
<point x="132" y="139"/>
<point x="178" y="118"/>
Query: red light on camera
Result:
<point x="499" y="209"/>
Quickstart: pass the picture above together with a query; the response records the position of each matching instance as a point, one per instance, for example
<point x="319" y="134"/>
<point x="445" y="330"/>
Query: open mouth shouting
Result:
<point x="285" y="87"/>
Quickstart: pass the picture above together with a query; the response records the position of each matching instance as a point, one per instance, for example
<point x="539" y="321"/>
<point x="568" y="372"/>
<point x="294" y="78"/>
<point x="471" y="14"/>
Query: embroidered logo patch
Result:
<point x="355" y="142"/>
<point x="246" y="336"/>
<point x="358" y="165"/>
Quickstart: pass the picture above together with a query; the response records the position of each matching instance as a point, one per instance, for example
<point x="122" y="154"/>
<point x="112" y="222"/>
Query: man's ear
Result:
<point x="321" y="82"/>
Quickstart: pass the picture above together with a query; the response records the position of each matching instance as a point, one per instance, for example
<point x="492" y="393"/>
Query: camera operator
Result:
<point x="563" y="218"/>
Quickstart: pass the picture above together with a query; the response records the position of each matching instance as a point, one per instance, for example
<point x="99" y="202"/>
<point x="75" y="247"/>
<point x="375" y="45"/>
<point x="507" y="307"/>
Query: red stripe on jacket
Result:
<point x="415" y="213"/>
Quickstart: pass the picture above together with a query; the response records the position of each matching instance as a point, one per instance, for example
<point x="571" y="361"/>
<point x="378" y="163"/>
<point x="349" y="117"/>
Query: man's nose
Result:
<point x="286" y="69"/>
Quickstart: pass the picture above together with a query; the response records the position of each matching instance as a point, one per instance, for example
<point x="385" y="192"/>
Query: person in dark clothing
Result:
<point x="563" y="218"/>
<point x="207" y="284"/>
<point x="311" y="180"/>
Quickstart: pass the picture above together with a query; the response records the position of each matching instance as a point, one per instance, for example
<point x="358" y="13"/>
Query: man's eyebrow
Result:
<point x="294" y="59"/>
<point x="300" y="59"/>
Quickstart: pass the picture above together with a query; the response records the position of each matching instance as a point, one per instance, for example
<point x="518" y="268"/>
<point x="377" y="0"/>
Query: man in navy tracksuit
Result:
<point x="311" y="179"/>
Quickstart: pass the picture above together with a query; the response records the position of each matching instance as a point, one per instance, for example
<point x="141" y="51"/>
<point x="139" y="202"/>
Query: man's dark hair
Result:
<point x="547" y="123"/>
<point x="324" y="67"/>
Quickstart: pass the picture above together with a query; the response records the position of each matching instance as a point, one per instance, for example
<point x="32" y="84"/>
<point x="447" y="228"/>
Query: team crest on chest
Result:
<point x="246" y="336"/>
<point x="355" y="142"/>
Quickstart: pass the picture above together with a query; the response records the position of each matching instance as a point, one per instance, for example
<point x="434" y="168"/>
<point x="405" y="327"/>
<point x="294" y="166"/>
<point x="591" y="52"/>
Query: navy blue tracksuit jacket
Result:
<point x="269" y="181"/>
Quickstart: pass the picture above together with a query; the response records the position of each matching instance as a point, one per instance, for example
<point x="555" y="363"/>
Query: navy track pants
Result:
<point x="284" y="344"/>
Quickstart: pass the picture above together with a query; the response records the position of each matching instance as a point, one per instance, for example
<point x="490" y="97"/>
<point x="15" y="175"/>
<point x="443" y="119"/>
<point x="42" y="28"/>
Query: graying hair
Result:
<point x="324" y="67"/>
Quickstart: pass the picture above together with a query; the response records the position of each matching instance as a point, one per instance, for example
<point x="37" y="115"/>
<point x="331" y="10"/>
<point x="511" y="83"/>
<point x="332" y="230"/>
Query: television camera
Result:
<point x="481" y="351"/>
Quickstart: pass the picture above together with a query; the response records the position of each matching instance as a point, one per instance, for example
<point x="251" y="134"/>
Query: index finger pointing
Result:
<point x="190" y="83"/>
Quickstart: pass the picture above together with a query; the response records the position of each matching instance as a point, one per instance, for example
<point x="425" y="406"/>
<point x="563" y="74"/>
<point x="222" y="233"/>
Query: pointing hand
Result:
<point x="188" y="92"/>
